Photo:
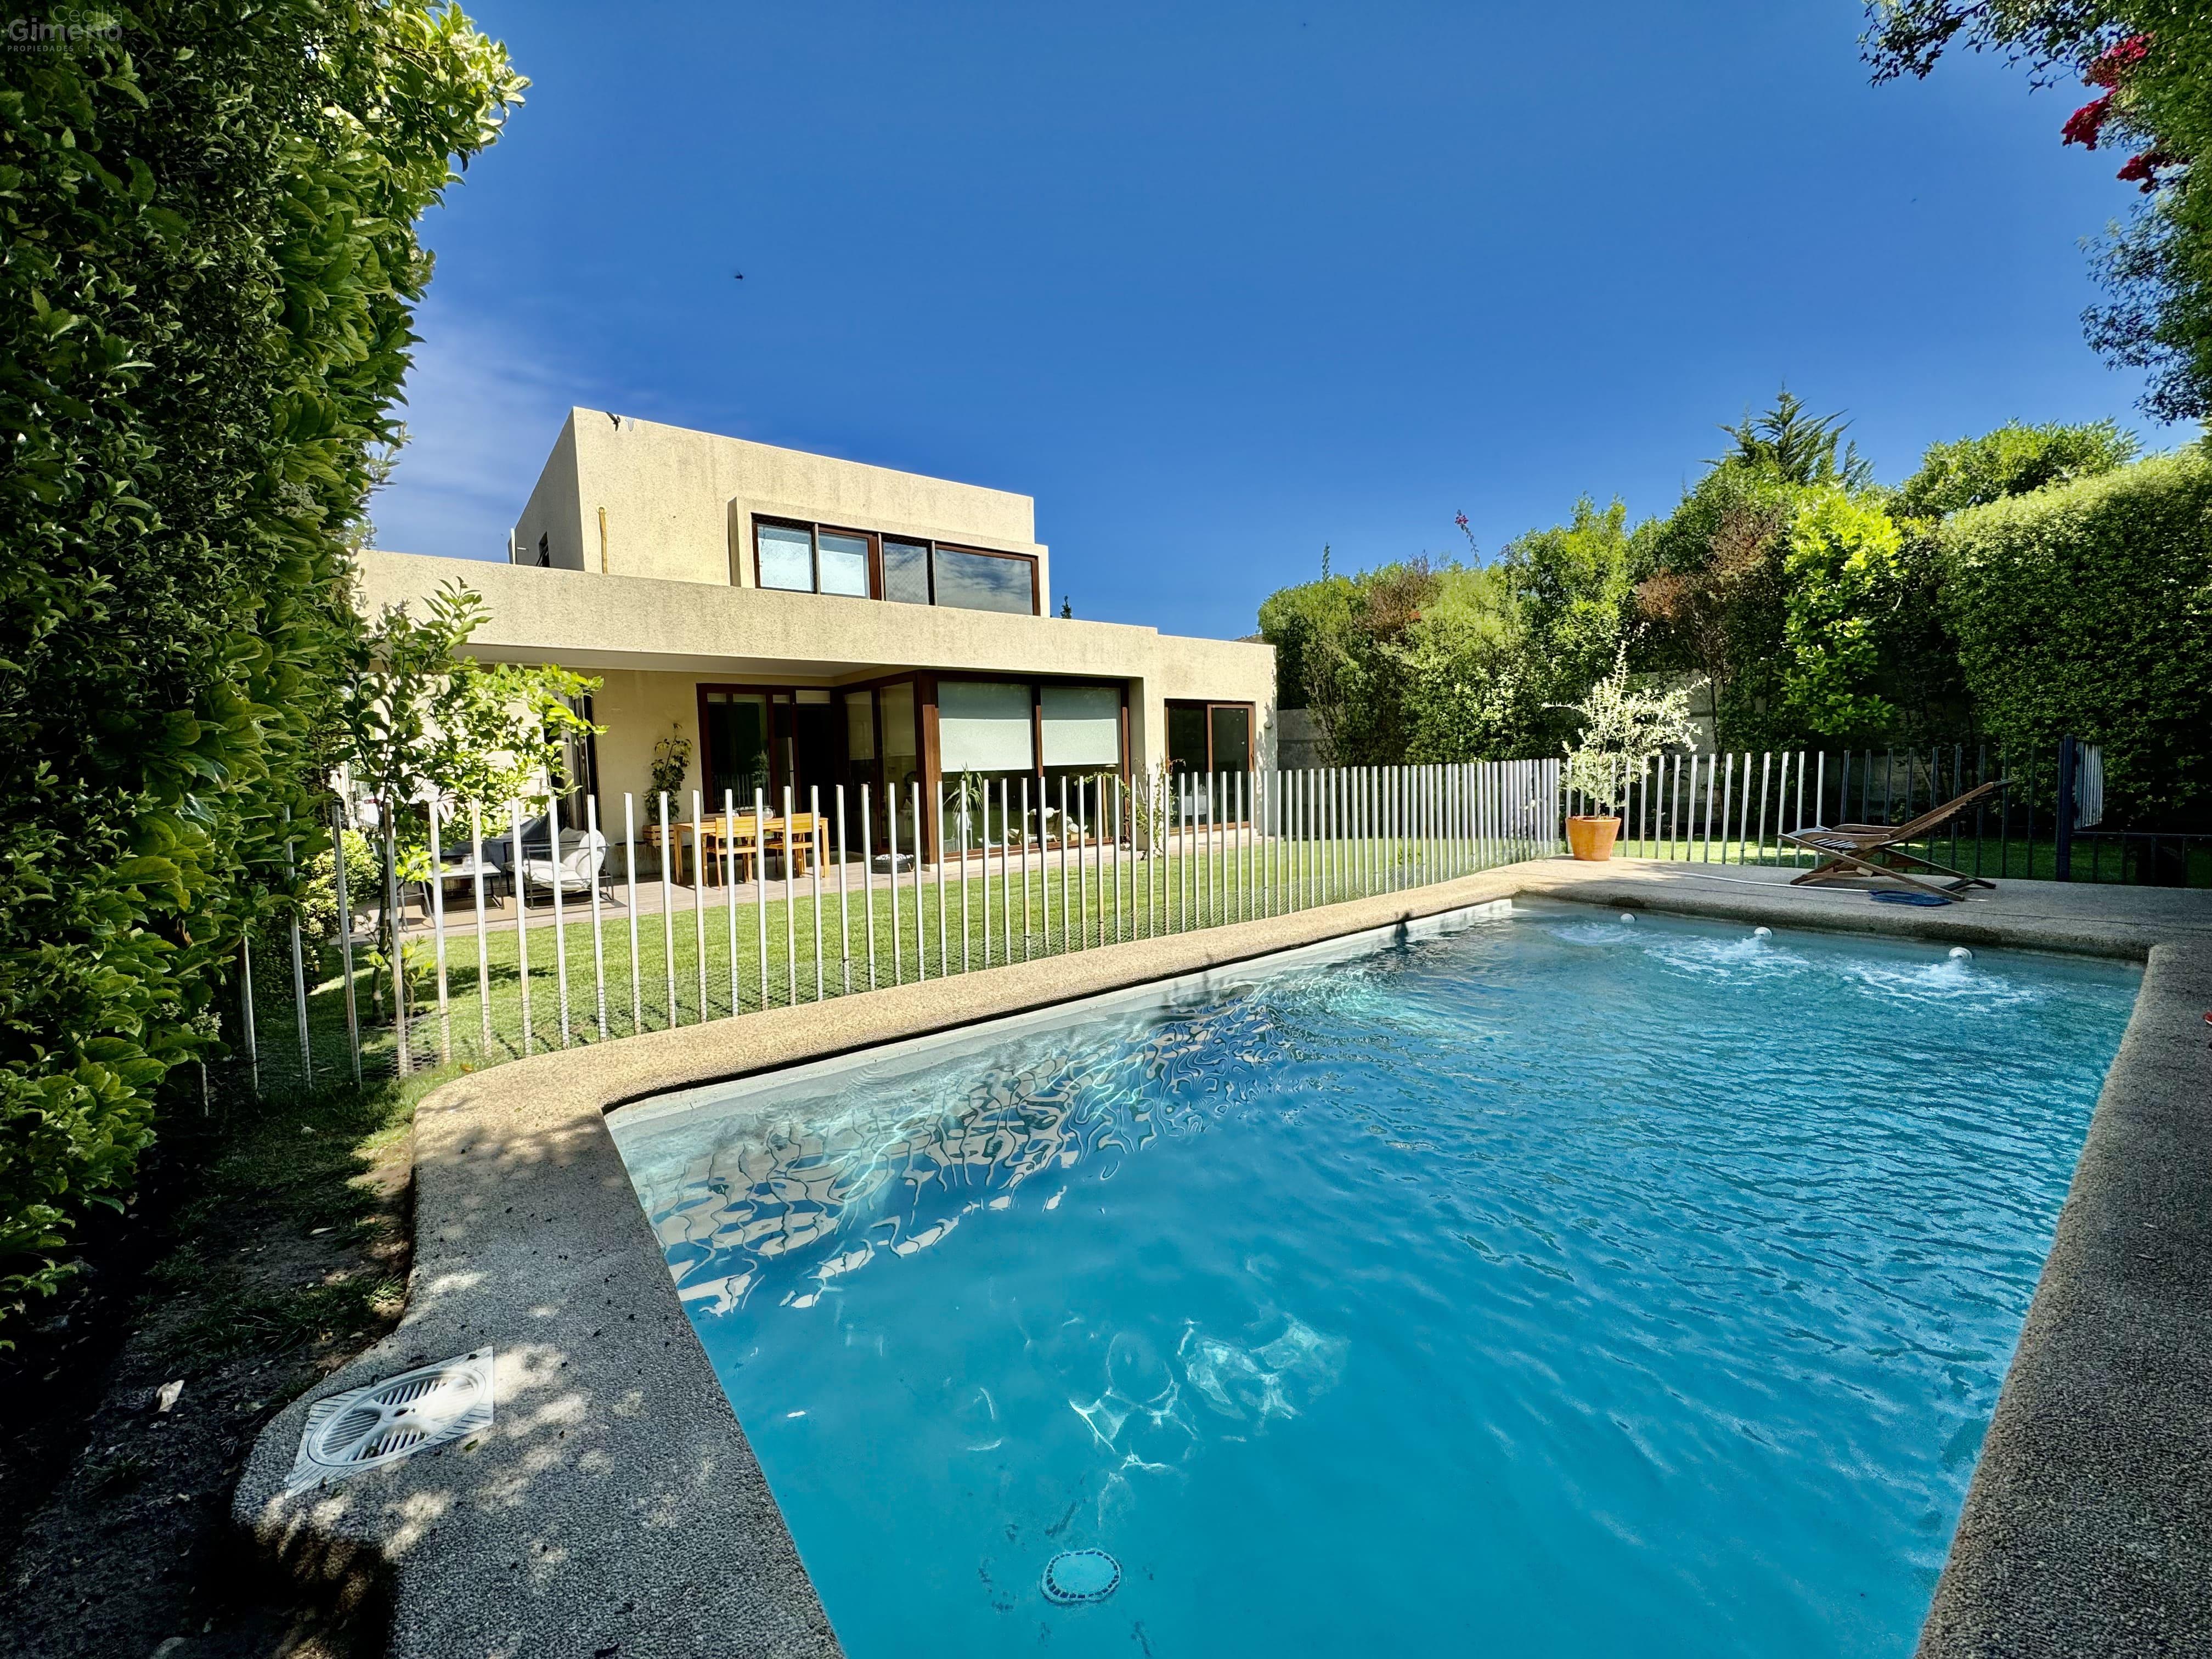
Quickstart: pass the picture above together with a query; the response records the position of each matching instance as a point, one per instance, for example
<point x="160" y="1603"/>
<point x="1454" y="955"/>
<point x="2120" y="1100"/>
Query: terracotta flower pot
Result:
<point x="1591" y="839"/>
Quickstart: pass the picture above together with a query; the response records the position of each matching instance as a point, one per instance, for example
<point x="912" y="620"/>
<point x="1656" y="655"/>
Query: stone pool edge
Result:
<point x="615" y="1506"/>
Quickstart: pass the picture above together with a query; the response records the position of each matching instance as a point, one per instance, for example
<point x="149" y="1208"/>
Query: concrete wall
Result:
<point x="554" y="511"/>
<point x="679" y="504"/>
<point x="654" y="641"/>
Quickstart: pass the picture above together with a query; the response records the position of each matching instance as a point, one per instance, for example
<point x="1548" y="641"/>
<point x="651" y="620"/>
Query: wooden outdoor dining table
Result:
<point x="742" y="834"/>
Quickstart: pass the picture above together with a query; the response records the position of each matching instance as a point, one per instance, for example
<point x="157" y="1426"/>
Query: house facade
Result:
<point x="803" y="621"/>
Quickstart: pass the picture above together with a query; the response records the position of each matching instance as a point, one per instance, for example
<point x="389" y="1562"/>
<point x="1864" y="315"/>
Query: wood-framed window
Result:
<point x="795" y="557"/>
<point x="1210" y="737"/>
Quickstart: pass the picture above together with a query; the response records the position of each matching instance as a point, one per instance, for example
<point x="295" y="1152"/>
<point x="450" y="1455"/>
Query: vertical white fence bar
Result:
<point x="1113" y="845"/>
<point x="1025" y="868"/>
<point x="667" y="913"/>
<point x="437" y="885"/>
<point x="1820" y="786"/>
<point x="937" y="825"/>
<point x="1763" y="768"/>
<point x="729" y="828"/>
<point x="868" y="880"/>
<point x="964" y="882"/>
<point x="598" y="942"/>
<point x="890" y="840"/>
<point x="521" y="916"/>
<point x="247" y="1028"/>
<point x="1005" y="871"/>
<point x="1044" y="865"/>
<point x="844" y="908"/>
<point x="629" y="890"/>
<point x="760" y="891"/>
<point x="1063" y="868"/>
<point x="560" y="931"/>
<point x="403" y="1055"/>
<point x="790" y="912"/>
<point x="699" y="898"/>
<point x="914" y="832"/>
<point x="814" y="861"/>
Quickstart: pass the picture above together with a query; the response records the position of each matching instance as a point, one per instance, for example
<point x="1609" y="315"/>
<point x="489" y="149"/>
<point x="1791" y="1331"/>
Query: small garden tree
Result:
<point x="1620" y="728"/>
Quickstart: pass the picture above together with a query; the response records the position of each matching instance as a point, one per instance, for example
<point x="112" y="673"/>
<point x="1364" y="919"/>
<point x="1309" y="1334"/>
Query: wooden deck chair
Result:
<point x="1849" y="851"/>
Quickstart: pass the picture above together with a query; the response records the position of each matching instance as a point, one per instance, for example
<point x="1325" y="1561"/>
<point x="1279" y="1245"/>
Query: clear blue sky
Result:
<point x="1218" y="284"/>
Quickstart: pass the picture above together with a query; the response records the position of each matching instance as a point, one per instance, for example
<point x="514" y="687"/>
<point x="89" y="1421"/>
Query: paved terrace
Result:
<point x="616" y="1507"/>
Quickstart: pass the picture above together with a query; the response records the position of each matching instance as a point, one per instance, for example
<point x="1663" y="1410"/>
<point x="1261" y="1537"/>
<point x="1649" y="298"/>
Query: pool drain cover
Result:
<point x="366" y="1428"/>
<point x="1075" y="1576"/>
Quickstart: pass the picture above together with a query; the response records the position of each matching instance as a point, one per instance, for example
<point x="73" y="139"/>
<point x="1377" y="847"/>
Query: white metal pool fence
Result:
<point x="684" y="913"/>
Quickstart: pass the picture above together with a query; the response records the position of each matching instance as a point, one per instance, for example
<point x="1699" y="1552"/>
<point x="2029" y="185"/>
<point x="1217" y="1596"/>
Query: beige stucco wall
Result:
<point x="654" y="641"/>
<point x="679" y="504"/>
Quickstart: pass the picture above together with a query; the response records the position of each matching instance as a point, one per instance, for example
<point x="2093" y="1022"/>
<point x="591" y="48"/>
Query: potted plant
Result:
<point x="1622" y="729"/>
<point x="671" y="761"/>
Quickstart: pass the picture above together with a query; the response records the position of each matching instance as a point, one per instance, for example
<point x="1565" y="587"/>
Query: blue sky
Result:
<point x="1218" y="284"/>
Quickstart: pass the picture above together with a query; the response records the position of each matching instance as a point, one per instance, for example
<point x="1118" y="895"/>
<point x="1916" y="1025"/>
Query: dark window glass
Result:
<point x="1186" y="737"/>
<point x="979" y="581"/>
<point x="737" y="745"/>
<point x="906" y="572"/>
<point x="1232" y="738"/>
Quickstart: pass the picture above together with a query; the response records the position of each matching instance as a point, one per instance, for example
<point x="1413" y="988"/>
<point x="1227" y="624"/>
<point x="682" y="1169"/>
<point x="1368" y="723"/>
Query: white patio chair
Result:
<point x="577" y="871"/>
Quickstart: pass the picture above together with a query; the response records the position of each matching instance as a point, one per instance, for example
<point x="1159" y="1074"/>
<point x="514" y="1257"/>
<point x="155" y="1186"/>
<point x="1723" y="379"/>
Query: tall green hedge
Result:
<point x="208" y="261"/>
<point x="2086" y="608"/>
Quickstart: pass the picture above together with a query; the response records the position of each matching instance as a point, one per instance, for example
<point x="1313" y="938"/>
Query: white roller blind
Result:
<point x="1082" y="725"/>
<point x="983" y="727"/>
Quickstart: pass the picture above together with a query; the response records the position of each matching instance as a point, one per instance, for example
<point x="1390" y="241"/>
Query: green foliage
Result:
<point x="672" y="759"/>
<point x="208" y="261"/>
<point x="2087" y="609"/>
<point x="1845" y="582"/>
<point x="1454" y="662"/>
<point x="2012" y="460"/>
<point x="1794" y="446"/>
<point x="1712" y="594"/>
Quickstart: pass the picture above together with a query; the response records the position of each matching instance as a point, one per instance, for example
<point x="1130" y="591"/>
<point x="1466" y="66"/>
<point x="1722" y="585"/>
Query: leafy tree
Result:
<point x="1846" y="581"/>
<point x="1713" y="594"/>
<point x="2012" y="460"/>
<point x="1791" y="444"/>
<point x="1618" y="729"/>
<point x="429" y="729"/>
<point x="2150" y="64"/>
<point x="208" y="262"/>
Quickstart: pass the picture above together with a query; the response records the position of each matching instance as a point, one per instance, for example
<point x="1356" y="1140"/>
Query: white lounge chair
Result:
<point x="577" y="871"/>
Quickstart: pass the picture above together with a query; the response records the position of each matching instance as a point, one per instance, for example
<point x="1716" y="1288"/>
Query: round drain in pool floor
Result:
<point x="1076" y="1576"/>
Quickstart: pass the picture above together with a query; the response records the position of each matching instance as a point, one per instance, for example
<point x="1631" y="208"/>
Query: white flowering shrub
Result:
<point x="1622" y="728"/>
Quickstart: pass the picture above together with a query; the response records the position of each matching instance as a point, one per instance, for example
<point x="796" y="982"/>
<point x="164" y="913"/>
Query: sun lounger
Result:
<point x="1851" y="851"/>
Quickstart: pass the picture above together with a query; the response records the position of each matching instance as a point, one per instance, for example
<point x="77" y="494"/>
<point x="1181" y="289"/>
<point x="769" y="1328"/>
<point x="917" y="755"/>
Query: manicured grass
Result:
<point x="687" y="970"/>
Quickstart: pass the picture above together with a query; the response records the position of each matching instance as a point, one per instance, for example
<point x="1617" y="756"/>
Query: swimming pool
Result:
<point x="1560" y="1285"/>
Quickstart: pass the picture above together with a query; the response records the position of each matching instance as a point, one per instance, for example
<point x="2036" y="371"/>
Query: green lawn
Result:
<point x="687" y="971"/>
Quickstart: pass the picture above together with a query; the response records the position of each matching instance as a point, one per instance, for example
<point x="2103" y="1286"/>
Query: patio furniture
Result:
<point x="1852" y="851"/>
<point x="577" y="871"/>
<point x="466" y="870"/>
<point x="745" y="839"/>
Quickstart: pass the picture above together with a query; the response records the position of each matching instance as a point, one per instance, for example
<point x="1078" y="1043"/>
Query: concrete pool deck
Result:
<point x="616" y="1508"/>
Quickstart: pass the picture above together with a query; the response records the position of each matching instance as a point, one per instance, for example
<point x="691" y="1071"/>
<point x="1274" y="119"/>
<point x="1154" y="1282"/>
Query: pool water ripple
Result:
<point x="1558" y="1287"/>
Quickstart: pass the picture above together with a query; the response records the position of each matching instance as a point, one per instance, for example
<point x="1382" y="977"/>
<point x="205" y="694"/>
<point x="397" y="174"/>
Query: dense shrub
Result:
<point x="2087" y="609"/>
<point x="208" y="261"/>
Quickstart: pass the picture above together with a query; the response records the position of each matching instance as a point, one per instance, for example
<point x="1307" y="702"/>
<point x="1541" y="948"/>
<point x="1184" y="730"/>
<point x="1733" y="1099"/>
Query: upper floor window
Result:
<point x="817" y="559"/>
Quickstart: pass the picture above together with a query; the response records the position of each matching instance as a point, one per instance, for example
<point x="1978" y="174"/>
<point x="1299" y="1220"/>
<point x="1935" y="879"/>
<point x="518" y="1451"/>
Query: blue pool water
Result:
<point x="1560" y="1286"/>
